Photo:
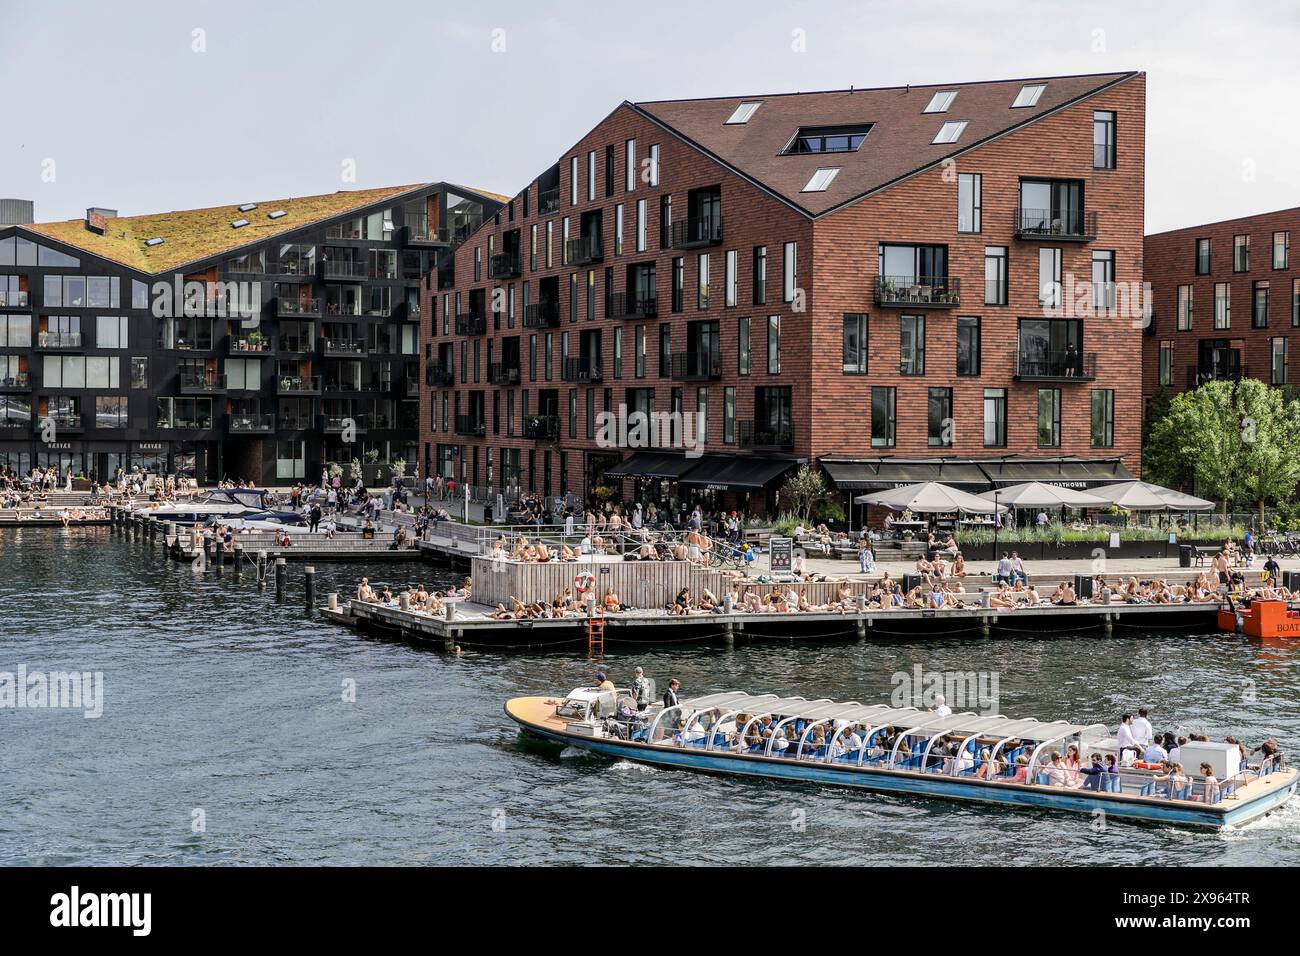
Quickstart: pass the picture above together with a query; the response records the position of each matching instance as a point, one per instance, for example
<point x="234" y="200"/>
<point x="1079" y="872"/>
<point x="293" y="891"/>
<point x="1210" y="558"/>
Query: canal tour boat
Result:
<point x="899" y="753"/>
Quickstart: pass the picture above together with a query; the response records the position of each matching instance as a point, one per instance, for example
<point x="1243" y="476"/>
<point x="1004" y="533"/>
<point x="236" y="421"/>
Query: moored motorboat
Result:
<point x="217" y="503"/>
<point x="909" y="751"/>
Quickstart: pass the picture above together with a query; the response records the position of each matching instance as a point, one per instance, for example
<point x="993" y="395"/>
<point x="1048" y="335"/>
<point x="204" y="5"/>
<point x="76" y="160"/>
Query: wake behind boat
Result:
<point x="960" y="756"/>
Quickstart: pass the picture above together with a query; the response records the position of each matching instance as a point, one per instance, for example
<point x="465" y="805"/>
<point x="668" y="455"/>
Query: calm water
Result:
<point x="221" y="700"/>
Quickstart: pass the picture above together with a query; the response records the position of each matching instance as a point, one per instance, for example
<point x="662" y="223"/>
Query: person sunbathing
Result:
<point x="611" y="601"/>
<point x="501" y="614"/>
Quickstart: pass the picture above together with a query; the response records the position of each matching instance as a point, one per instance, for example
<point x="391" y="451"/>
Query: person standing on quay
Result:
<point x="314" y="516"/>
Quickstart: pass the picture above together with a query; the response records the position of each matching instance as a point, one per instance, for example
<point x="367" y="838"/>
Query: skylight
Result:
<point x="277" y="214"/>
<point x="940" y="102"/>
<point x="949" y="132"/>
<point x="238" y="223"/>
<point x="743" y="112"/>
<point x="1028" y="95"/>
<point x="155" y="241"/>
<point x="248" y="207"/>
<point x="821" y="179"/>
<point x="828" y="139"/>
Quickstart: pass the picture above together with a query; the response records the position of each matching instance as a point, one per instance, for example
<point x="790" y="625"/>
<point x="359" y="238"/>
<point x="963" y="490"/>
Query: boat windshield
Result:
<point x="249" y="499"/>
<point x="574" y="708"/>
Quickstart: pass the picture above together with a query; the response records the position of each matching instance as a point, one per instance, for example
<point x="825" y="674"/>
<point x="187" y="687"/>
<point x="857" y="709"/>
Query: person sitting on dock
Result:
<point x="958" y="569"/>
<point x="924" y="568"/>
<point x="682" y="603"/>
<point x="1002" y="573"/>
<point x="365" y="592"/>
<point x="282" y="539"/>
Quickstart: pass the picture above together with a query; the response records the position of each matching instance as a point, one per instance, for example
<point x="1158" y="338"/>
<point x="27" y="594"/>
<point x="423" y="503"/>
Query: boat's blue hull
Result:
<point x="1115" y="806"/>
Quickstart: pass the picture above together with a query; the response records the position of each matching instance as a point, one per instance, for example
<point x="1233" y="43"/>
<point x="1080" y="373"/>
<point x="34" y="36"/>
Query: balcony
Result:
<point x="238" y="424"/>
<point x="548" y="201"/>
<point x="54" y="341"/>
<point x="695" y="366"/>
<point x="298" y="385"/>
<point x="303" y="270"/>
<point x="1073" y="226"/>
<point x="1198" y="375"/>
<point x="542" y="315"/>
<point x="296" y="423"/>
<point x="584" y="249"/>
<point x="295" y="345"/>
<point x="419" y="233"/>
<point x="21" y="382"/>
<point x="470" y="425"/>
<point x="344" y="347"/>
<point x="382" y="346"/>
<point x="59" y="422"/>
<point x="200" y="383"/>
<point x="541" y="427"/>
<point x="343" y="270"/>
<point x="248" y="344"/>
<point x="918" y="292"/>
<point x="629" y="305"/>
<point x="697" y="231"/>
<point x="502" y="373"/>
<point x="292" y="305"/>
<point x="470" y="323"/>
<point x="1056" y="366"/>
<point x="586" y="369"/>
<point x="339" y="424"/>
<point x="503" y="265"/>
<point x="407" y="311"/>
<point x="13" y="300"/>
<point x="411" y="387"/>
<point x="763" y="436"/>
<point x="439" y="376"/>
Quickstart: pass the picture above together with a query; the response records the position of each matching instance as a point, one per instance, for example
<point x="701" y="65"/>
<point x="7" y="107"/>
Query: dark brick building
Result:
<point x="1226" y="301"/>
<point x="882" y="281"/>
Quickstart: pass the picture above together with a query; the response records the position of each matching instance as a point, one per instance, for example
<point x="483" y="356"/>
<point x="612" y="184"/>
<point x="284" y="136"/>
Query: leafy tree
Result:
<point x="1237" y="440"/>
<point x="802" y="491"/>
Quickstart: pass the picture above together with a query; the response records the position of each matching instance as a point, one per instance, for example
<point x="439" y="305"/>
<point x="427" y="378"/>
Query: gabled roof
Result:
<point x="900" y="141"/>
<point x="192" y="235"/>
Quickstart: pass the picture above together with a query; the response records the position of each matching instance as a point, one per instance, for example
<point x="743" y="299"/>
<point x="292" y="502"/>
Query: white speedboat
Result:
<point x="217" y="503"/>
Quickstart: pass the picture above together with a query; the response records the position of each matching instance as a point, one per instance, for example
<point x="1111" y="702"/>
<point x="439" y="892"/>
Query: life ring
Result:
<point x="584" y="582"/>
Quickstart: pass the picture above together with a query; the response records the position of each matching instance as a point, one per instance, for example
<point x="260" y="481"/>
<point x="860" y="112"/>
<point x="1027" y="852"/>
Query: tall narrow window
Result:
<point x="653" y="170"/>
<point x="731" y="278"/>
<point x="854" y="361"/>
<point x="939" y="418"/>
<point x="1049" y="417"/>
<point x="1241" y="253"/>
<point x="759" y="280"/>
<point x="882" y="416"/>
<point x="1295" y="303"/>
<point x="789" y="264"/>
<point x="1184" y="308"/>
<point x="995" y="275"/>
<point x="679" y="283"/>
<point x="573" y="181"/>
<point x="1202" y="257"/>
<point x="742" y="347"/>
<point x="968" y="345"/>
<point x="1278" y="361"/>
<point x="609" y="170"/>
<point x="665" y="350"/>
<point x="641" y="225"/>
<point x="995" y="417"/>
<point x="1222" y="305"/>
<point x="666" y="221"/>
<point x="969" y="199"/>
<point x="1103" y="139"/>
<point x="774" y="345"/>
<point x="591" y="175"/>
<point x="1103" y="417"/>
<point x="911" y="345"/>
<point x="729" y="415"/>
<point x="1281" y="250"/>
<point x="1049" y="278"/>
<point x="1259" y="305"/>
<point x="638" y="358"/>
<point x="1103" y="280"/>
<point x="1166" y="368"/>
<point x="702" y="273"/>
<point x="629" y="158"/>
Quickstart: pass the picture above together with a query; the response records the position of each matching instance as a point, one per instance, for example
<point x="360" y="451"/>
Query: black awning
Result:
<point x="652" y="464"/>
<point x="880" y="474"/>
<point x="733" y="473"/>
<point x="1066" y="472"/>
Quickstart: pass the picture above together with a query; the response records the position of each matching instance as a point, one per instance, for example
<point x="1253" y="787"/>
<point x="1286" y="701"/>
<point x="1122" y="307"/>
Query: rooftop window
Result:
<point x="248" y="207"/>
<point x="949" y="132"/>
<point x="743" y="112"/>
<point x="276" y="214"/>
<point x="940" y="102"/>
<point x="821" y="180"/>
<point x="828" y="139"/>
<point x="1028" y="95"/>
<point x="155" y="241"/>
<point x="238" y="223"/>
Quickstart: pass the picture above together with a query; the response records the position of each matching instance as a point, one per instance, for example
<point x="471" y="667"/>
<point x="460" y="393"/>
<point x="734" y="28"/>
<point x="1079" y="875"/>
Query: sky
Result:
<point x="172" y="104"/>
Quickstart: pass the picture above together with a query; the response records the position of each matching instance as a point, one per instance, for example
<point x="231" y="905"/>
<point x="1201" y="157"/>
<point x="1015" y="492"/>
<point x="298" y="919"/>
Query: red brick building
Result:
<point x="1226" y="299"/>
<point x="853" y="278"/>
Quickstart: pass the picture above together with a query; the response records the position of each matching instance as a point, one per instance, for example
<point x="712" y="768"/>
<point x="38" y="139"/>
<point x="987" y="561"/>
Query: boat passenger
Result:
<point x="670" y="695"/>
<point x="850" y="741"/>
<point x="1022" y="771"/>
<point x="1055" y="770"/>
<point x="1072" y="766"/>
<point x="1211" y="783"/>
<point x="1175" y="777"/>
<point x="1155" y="754"/>
<point x="1094" y="775"/>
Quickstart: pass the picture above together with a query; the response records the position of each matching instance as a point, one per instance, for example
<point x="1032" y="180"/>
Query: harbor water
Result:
<point x="236" y="729"/>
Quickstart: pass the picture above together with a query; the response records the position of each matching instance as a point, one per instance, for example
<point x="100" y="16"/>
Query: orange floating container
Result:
<point x="1261" y="619"/>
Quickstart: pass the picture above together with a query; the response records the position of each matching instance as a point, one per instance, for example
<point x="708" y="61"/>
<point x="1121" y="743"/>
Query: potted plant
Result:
<point x="255" y="341"/>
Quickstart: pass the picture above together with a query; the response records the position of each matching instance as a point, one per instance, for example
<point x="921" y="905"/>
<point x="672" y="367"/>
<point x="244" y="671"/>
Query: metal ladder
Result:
<point x="596" y="633"/>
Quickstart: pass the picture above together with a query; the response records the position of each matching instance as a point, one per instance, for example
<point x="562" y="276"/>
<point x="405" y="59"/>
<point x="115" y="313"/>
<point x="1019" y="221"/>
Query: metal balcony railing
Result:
<point x="1074" y="224"/>
<point x="542" y="315"/>
<point x="503" y="265"/>
<point x="438" y="376"/>
<point x="58" y="340"/>
<point x="292" y="305"/>
<point x="697" y="231"/>
<point x="345" y="269"/>
<point x="250" y="424"/>
<point x="471" y="425"/>
<point x="503" y="373"/>
<point x="918" y="292"/>
<point x="1056" y="365"/>
<point x="584" y="249"/>
<point x="339" y="424"/>
<point x="344" y="347"/>
<point x="19" y="382"/>
<point x="202" y="383"/>
<point x="766" y="435"/>
<point x="1198" y="375"/>
<point x="629" y="305"/>
<point x="692" y="366"/>
<point x="541" y="427"/>
<point x="581" y="369"/>
<point x="13" y="300"/>
<point x="298" y="385"/>
<point x="548" y="201"/>
<point x="470" y="323"/>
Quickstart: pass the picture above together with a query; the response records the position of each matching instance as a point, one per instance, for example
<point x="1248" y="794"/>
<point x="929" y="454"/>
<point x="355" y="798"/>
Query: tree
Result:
<point x="802" y="491"/>
<point x="1236" y="440"/>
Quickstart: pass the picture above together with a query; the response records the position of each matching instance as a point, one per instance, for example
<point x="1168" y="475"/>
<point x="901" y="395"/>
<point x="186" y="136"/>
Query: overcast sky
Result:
<point x="124" y="105"/>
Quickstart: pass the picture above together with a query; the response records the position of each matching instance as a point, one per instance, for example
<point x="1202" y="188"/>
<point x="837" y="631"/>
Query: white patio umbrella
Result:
<point x="1144" y="496"/>
<point x="929" y="497"/>
<point x="1038" y="494"/>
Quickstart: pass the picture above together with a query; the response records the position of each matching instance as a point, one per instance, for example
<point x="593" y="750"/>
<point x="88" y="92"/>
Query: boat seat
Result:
<point x="1040" y="778"/>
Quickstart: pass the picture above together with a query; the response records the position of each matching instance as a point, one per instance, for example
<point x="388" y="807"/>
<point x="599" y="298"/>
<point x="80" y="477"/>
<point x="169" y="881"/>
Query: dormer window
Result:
<point x="743" y="112"/>
<point x="940" y="102"/>
<point x="828" y="139"/>
<point x="949" y="132"/>
<point x="1028" y="95"/>
<point x="821" y="180"/>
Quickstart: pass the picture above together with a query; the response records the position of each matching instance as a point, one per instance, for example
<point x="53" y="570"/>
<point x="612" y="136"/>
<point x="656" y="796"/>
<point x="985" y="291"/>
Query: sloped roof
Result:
<point x="899" y="143"/>
<point x="191" y="235"/>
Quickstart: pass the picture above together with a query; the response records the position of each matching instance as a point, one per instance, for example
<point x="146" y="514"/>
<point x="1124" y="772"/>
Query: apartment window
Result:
<point x="1103" y="279"/>
<point x="729" y="415"/>
<point x="618" y="351"/>
<point x="591" y="413"/>
<point x="940" y="102"/>
<point x="110" y="332"/>
<point x="548" y="348"/>
<point x="1166" y="368"/>
<point x="638" y="358"/>
<point x="573" y="297"/>
<point x="995" y="418"/>
<point x="882" y="416"/>
<point x="1184" y="308"/>
<point x="969" y="200"/>
<point x="1049" y="277"/>
<point x="1103" y="140"/>
<point x="110" y="411"/>
<point x="773" y="345"/>
<point x="550" y="243"/>
<point x="573" y="181"/>
<point x="532" y="248"/>
<point x="653" y="169"/>
<point x="679" y="283"/>
<point x="591" y="175"/>
<point x="139" y="371"/>
<point x="478" y="263"/>
<point x="995" y="275"/>
<point x="950" y="132"/>
<point x="1103" y="417"/>
<point x="1202" y="257"/>
<point x="1049" y="418"/>
<point x="742" y="347"/>
<point x="939" y="418"/>
<point x="609" y="170"/>
<point x="759" y="279"/>
<point x="1295" y="303"/>
<point x="618" y="229"/>
<point x="821" y="180"/>
<point x="1241" y="253"/>
<point x="629" y="158"/>
<point x="665" y="350"/>
<point x="591" y="294"/>
<point x="911" y="345"/>
<point x="1277" y="361"/>
<point x="532" y="357"/>
<point x="1028" y="95"/>
<point x="730" y="297"/>
<point x="666" y="221"/>
<point x="854" y="361"/>
<point x="1259" y="305"/>
<point x="968" y="345"/>
<point x="564" y="241"/>
<point x="1222" y="305"/>
<point x="789" y="263"/>
<point x="702" y="271"/>
<point x="1281" y="250"/>
<point x="641" y="225"/>
<point x="702" y="414"/>
<point x="743" y="112"/>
